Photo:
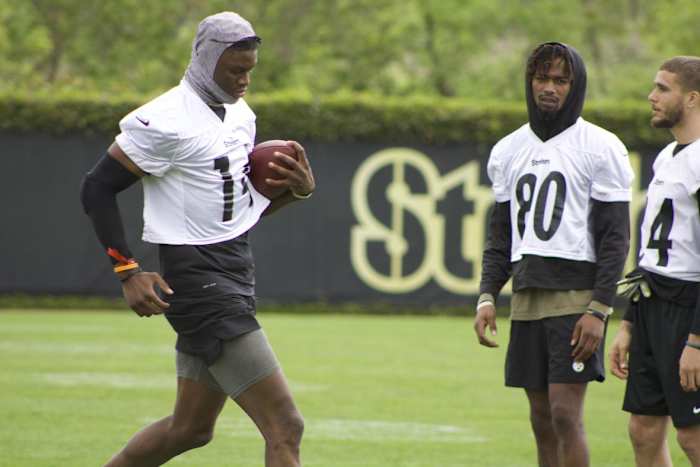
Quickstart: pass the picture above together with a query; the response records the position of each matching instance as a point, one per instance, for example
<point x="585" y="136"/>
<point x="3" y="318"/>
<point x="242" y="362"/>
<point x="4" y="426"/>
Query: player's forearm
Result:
<point x="282" y="201"/>
<point x="611" y="227"/>
<point x="98" y="196"/>
<point x="495" y="272"/>
<point x="626" y="325"/>
<point x="629" y="315"/>
<point x="496" y="266"/>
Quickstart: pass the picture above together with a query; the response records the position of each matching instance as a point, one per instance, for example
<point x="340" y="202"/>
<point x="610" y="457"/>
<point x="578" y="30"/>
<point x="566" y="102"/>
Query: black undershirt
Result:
<point x="679" y="148"/>
<point x="219" y="110"/>
<point x="610" y="224"/>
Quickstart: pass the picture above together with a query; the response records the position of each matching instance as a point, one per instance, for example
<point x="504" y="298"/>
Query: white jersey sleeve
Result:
<point x="496" y="173"/>
<point x="691" y="181"/>
<point x="612" y="174"/>
<point x="149" y="138"/>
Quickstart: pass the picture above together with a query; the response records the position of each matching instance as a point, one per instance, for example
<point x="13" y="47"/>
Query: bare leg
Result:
<point x="648" y="436"/>
<point x="270" y="405"/>
<point x="566" y="405"/>
<point x="689" y="439"/>
<point x="541" y="421"/>
<point x="190" y="426"/>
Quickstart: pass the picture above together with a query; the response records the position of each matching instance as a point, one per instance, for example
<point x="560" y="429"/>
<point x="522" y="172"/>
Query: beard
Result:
<point x="669" y="120"/>
<point x="548" y="115"/>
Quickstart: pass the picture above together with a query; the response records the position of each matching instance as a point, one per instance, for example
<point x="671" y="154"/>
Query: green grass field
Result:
<point x="374" y="391"/>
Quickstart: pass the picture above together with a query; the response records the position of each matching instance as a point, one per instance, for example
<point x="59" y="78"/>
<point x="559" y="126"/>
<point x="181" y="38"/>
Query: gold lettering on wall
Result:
<point x="424" y="208"/>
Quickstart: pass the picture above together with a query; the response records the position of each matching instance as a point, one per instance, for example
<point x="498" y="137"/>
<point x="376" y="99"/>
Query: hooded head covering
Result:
<point x="215" y="34"/>
<point x="548" y="124"/>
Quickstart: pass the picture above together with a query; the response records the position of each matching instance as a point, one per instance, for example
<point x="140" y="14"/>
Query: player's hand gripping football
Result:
<point x="588" y="333"/>
<point x="298" y="177"/>
<point x="619" y="352"/>
<point x="689" y="367"/>
<point x="140" y="293"/>
<point x="485" y="317"/>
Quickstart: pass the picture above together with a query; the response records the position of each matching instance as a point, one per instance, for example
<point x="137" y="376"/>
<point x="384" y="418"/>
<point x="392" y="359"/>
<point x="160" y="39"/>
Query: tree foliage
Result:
<point x="463" y="48"/>
<point x="334" y="118"/>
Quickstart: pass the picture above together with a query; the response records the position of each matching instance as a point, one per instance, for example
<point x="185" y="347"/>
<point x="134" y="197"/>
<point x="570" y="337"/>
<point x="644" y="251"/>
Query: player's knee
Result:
<point x="565" y="421"/>
<point x="286" y="431"/>
<point x="645" y="434"/>
<point x="293" y="427"/>
<point x="540" y="419"/>
<point x="192" y="437"/>
<point x="689" y="440"/>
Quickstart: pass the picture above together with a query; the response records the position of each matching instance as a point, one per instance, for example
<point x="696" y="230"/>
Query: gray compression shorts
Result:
<point x="244" y="361"/>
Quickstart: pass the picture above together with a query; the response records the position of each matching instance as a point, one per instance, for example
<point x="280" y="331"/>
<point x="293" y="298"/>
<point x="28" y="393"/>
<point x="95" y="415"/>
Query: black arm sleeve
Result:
<point x="496" y="267"/>
<point x="611" y="233"/>
<point x="98" y="194"/>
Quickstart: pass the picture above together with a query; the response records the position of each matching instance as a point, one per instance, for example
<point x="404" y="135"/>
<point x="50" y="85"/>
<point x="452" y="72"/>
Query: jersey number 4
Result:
<point x="525" y="193"/>
<point x="660" y="230"/>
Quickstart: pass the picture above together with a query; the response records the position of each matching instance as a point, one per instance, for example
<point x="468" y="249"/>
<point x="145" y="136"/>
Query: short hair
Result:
<point x="545" y="55"/>
<point x="687" y="68"/>
<point x="249" y="43"/>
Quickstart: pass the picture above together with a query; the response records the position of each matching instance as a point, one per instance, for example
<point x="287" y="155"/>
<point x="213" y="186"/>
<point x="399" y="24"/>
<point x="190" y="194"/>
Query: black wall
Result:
<point x="303" y="252"/>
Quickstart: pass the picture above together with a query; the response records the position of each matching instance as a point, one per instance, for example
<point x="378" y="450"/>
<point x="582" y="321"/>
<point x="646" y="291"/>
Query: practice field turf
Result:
<point x="374" y="391"/>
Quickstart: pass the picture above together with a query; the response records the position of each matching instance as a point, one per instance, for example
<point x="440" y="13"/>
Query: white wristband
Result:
<point x="483" y="304"/>
<point x="298" y="196"/>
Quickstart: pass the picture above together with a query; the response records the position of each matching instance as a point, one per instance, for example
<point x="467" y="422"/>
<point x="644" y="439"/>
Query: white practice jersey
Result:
<point x="198" y="191"/>
<point x="670" y="241"/>
<point x="550" y="186"/>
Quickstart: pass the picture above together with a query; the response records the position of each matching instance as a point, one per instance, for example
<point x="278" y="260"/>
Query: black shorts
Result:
<point x="658" y="338"/>
<point x="539" y="354"/>
<point x="213" y="300"/>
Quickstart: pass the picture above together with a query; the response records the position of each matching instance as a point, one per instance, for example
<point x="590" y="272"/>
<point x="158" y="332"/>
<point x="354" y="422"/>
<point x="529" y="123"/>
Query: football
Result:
<point x="260" y="156"/>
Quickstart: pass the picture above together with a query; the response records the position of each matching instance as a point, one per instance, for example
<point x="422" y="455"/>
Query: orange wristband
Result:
<point x="126" y="267"/>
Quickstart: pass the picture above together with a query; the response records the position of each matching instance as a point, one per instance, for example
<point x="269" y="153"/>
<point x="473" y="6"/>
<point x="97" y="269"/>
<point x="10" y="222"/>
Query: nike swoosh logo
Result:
<point x="696" y="410"/>
<point x="145" y="122"/>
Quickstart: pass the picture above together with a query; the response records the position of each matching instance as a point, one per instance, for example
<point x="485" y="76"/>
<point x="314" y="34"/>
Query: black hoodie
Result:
<point x="546" y="126"/>
<point x="609" y="222"/>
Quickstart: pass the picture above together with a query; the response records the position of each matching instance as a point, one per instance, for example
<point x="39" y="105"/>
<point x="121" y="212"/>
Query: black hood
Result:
<point x="547" y="125"/>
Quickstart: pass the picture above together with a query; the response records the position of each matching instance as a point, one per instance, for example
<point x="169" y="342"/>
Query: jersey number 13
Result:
<point x="222" y="165"/>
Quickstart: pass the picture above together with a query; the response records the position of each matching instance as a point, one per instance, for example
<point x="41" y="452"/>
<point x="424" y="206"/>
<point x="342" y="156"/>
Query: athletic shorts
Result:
<point x="658" y="338"/>
<point x="213" y="300"/>
<point x="539" y="354"/>
<point x="244" y="360"/>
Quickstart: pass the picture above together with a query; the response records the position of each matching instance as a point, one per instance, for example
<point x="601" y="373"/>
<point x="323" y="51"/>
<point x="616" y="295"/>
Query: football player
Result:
<point x="560" y="229"/>
<point x="660" y="332"/>
<point x="189" y="147"/>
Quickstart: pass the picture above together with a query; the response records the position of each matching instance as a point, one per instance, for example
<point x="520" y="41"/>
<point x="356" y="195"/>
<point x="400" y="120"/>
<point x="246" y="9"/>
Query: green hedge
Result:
<point x="333" y="118"/>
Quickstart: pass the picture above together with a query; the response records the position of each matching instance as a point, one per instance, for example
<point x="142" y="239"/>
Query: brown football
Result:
<point x="260" y="156"/>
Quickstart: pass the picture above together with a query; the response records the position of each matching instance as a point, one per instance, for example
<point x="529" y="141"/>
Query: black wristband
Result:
<point x="598" y="314"/>
<point x="129" y="274"/>
<point x="692" y="346"/>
